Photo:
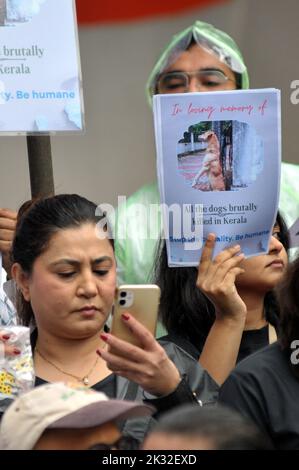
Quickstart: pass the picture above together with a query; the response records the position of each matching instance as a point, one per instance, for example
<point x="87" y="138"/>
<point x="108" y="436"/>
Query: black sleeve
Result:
<point x="196" y="385"/>
<point x="181" y="395"/>
<point x="197" y="380"/>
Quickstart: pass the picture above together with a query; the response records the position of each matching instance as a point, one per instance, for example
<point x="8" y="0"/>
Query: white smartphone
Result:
<point x="142" y="302"/>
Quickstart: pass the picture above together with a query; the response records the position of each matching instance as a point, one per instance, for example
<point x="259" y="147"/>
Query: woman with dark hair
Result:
<point x="265" y="386"/>
<point x="233" y="304"/>
<point x="65" y="270"/>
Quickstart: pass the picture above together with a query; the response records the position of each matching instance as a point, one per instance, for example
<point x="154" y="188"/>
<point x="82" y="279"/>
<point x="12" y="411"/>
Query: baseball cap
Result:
<point x="211" y="39"/>
<point x="58" y="405"/>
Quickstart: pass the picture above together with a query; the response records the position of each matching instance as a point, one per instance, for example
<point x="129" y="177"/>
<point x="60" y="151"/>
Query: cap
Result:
<point x="57" y="405"/>
<point x="211" y="39"/>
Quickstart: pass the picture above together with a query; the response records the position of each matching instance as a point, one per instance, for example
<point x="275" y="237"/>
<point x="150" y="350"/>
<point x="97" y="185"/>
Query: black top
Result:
<point x="264" y="388"/>
<point x="252" y="341"/>
<point x="107" y="385"/>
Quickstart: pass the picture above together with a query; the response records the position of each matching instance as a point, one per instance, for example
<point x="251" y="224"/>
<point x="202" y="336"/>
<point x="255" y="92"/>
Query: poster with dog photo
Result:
<point x="218" y="156"/>
<point x="218" y="163"/>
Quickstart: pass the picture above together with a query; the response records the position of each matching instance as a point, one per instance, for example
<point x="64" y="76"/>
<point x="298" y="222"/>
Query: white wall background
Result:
<point x="116" y="155"/>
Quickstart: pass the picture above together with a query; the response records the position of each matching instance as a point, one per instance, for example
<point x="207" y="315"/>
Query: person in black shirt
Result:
<point x="265" y="386"/>
<point x="228" y="301"/>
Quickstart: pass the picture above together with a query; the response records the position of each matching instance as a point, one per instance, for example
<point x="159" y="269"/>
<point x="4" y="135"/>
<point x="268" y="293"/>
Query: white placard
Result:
<point x="40" y="74"/>
<point x="218" y="164"/>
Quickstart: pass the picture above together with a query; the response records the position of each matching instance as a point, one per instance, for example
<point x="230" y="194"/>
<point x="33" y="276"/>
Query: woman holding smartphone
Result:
<point x="65" y="270"/>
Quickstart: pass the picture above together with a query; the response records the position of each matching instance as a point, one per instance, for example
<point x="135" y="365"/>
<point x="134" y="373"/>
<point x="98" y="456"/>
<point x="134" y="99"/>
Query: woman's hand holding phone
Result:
<point x="148" y="365"/>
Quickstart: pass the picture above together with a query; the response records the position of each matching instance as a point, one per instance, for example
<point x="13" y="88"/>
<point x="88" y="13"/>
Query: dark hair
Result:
<point x="184" y="309"/>
<point x="284" y="232"/>
<point x="37" y="221"/>
<point x="288" y="295"/>
<point x="225" y="428"/>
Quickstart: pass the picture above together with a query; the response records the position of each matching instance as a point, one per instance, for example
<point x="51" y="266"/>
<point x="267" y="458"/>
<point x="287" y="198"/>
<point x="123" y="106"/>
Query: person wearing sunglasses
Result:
<point x="200" y="58"/>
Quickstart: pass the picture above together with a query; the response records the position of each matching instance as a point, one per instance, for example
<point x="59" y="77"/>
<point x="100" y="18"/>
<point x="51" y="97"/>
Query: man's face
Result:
<point x="207" y="73"/>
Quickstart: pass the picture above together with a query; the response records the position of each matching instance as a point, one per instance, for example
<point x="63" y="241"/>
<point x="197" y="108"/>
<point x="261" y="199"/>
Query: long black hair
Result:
<point x="184" y="310"/>
<point x="288" y="295"/>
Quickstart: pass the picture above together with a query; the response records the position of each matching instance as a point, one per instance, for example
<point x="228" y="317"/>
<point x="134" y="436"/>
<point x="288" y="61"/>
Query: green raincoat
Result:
<point x="136" y="252"/>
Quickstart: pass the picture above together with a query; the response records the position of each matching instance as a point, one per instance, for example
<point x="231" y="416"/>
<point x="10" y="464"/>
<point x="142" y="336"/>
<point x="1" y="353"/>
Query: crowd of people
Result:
<point x="223" y="376"/>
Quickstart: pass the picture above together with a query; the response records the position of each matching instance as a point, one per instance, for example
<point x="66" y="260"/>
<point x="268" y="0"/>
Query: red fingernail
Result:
<point x="6" y="336"/>
<point x="125" y="316"/>
<point x="16" y="351"/>
<point x="99" y="353"/>
<point x="104" y="336"/>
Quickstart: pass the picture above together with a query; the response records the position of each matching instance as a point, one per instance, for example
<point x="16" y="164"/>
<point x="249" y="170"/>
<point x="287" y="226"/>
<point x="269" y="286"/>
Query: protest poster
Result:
<point x="40" y="73"/>
<point x="218" y="164"/>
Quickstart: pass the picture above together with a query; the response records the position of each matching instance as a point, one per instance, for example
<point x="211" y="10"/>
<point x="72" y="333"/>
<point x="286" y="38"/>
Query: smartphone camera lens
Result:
<point x="122" y="302"/>
<point x="123" y="294"/>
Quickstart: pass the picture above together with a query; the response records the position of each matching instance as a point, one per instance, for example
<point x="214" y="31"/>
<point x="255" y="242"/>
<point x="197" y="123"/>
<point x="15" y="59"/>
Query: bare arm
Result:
<point x="216" y="279"/>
